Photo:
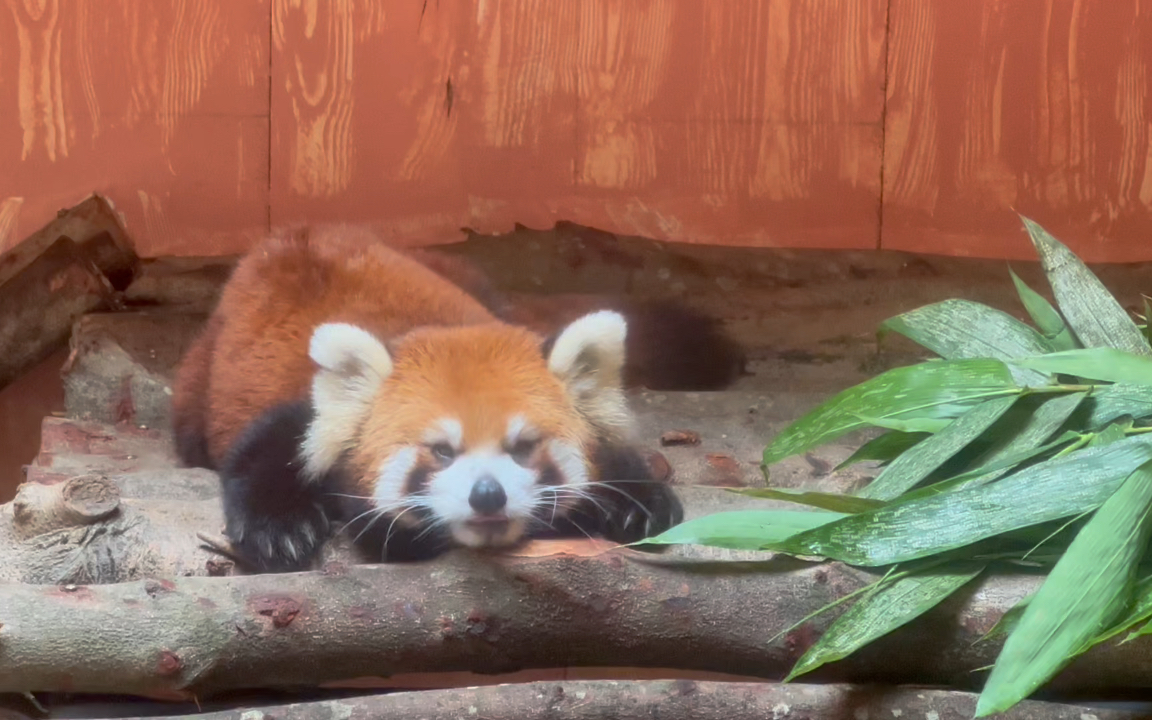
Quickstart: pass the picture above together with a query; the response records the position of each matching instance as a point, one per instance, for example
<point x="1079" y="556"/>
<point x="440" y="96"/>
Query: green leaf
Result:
<point x="928" y="524"/>
<point x="1045" y="316"/>
<point x="1086" y="590"/>
<point x="1027" y="434"/>
<point x="1139" y="610"/>
<point x="884" y="447"/>
<point x="1109" y="435"/>
<point x="825" y="501"/>
<point x="1008" y="621"/>
<point x="1111" y="402"/>
<point x="878" y="613"/>
<point x="913" y="425"/>
<point x="928" y="390"/>
<point x="959" y="329"/>
<point x="742" y="529"/>
<point x="1147" y="329"/>
<point x="1098" y="363"/>
<point x="1091" y="311"/>
<point x="916" y="464"/>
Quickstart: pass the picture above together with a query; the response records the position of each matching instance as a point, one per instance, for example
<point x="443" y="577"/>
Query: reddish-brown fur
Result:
<point x="481" y="376"/>
<point x="279" y="293"/>
<point x="253" y="352"/>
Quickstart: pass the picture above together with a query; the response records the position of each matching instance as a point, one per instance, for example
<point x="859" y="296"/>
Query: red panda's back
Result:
<point x="293" y="282"/>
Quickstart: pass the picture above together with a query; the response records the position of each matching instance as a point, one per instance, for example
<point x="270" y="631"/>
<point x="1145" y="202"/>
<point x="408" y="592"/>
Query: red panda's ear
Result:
<point x="588" y="357"/>
<point x="351" y="365"/>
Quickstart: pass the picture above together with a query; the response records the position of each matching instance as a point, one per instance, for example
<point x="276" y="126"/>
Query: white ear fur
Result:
<point x="352" y="364"/>
<point x="588" y="357"/>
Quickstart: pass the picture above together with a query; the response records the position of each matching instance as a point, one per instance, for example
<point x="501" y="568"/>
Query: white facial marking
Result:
<point x="519" y="429"/>
<point x="445" y="430"/>
<point x="449" y="489"/>
<point x="570" y="461"/>
<point x="351" y="365"/>
<point x="393" y="476"/>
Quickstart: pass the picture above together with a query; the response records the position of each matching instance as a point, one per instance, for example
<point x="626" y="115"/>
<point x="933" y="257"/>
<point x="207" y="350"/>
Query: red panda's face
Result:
<point x="479" y="430"/>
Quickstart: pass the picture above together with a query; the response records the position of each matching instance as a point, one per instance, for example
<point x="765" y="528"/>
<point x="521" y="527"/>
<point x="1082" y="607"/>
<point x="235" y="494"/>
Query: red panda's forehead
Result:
<point x="487" y="379"/>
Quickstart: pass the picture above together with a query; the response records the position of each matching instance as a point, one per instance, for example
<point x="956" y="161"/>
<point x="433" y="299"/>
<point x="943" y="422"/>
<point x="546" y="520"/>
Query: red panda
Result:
<point x="340" y="380"/>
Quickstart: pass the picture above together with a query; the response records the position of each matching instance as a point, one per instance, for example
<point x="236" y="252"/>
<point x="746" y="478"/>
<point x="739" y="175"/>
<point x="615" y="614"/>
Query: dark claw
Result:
<point x="276" y="520"/>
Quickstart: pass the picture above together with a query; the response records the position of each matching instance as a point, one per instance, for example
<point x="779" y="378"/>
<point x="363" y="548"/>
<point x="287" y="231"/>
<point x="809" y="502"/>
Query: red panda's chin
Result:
<point x="488" y="534"/>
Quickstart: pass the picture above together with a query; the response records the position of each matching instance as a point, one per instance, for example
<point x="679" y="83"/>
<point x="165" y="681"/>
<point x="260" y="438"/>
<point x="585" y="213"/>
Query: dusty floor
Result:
<point x="807" y="318"/>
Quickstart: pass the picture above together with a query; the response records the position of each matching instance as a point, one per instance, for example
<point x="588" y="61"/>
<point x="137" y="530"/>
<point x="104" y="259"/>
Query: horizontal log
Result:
<point x="196" y="636"/>
<point x="667" y="700"/>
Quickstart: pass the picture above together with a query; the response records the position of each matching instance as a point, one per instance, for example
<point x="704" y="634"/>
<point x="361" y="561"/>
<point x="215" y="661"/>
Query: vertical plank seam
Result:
<point x="271" y="51"/>
<point x="884" y="121"/>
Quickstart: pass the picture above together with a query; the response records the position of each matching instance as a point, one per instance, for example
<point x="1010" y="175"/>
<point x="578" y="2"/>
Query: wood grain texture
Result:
<point x="743" y="122"/>
<point x="1037" y="107"/>
<point x="161" y="105"/>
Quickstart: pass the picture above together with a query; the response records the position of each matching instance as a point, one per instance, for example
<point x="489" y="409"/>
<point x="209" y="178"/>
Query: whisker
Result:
<point x="408" y="503"/>
<point x="611" y="486"/>
<point x="388" y="535"/>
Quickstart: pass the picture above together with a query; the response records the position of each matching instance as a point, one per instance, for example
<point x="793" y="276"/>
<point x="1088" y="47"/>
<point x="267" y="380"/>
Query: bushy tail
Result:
<point x="670" y="346"/>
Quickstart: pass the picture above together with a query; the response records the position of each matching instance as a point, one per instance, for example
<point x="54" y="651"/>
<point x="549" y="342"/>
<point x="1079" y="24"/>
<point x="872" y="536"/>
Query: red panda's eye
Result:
<point x="523" y="449"/>
<point x="443" y="452"/>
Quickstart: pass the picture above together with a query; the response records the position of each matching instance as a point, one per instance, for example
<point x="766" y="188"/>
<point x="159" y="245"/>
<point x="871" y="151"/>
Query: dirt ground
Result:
<point x="807" y="320"/>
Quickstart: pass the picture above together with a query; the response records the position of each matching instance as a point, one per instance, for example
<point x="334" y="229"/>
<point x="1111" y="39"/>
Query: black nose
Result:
<point x="487" y="495"/>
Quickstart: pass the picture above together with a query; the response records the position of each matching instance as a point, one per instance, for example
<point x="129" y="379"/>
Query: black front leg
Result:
<point x="630" y="504"/>
<point x="276" y="520"/>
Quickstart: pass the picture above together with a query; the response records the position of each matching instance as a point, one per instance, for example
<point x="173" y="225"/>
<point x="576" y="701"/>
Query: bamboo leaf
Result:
<point x="1111" y="402"/>
<point x="1109" y="435"/>
<point x="1139" y="610"/>
<point x="878" y="613"/>
<point x="928" y="524"/>
<point x="916" y="464"/>
<point x="1044" y="315"/>
<point x="991" y="471"/>
<point x="1086" y="590"/>
<point x="1147" y="329"/>
<point x="1094" y="315"/>
<point x="912" y="425"/>
<point x="959" y="329"/>
<point x="943" y="389"/>
<point x="825" y="501"/>
<point x="1098" y="363"/>
<point x="1008" y="621"/>
<point x="1028" y="433"/>
<point x="884" y="447"/>
<point x="742" y="529"/>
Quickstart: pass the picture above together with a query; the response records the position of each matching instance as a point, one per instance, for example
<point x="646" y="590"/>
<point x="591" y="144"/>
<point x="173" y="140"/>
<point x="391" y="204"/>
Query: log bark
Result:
<point x="667" y="700"/>
<point x="73" y="266"/>
<point x="167" y="628"/>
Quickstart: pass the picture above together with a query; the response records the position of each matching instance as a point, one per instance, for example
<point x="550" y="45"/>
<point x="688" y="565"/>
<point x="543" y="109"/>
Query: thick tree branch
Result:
<point x="70" y="267"/>
<point x="668" y="700"/>
<point x="551" y="605"/>
<point x="195" y="636"/>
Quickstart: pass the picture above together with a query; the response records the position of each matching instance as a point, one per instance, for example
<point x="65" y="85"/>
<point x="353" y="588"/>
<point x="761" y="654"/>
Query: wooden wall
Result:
<point x="907" y="124"/>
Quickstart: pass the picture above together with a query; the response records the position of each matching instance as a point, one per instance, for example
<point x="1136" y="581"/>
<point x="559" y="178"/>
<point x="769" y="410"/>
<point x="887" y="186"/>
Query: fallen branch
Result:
<point x="49" y="280"/>
<point x="196" y="636"/>
<point x="552" y="605"/>
<point x="668" y="700"/>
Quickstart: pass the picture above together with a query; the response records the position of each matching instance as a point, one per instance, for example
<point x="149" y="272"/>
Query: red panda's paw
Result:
<point x="631" y="504"/>
<point x="276" y="518"/>
<point x="648" y="509"/>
